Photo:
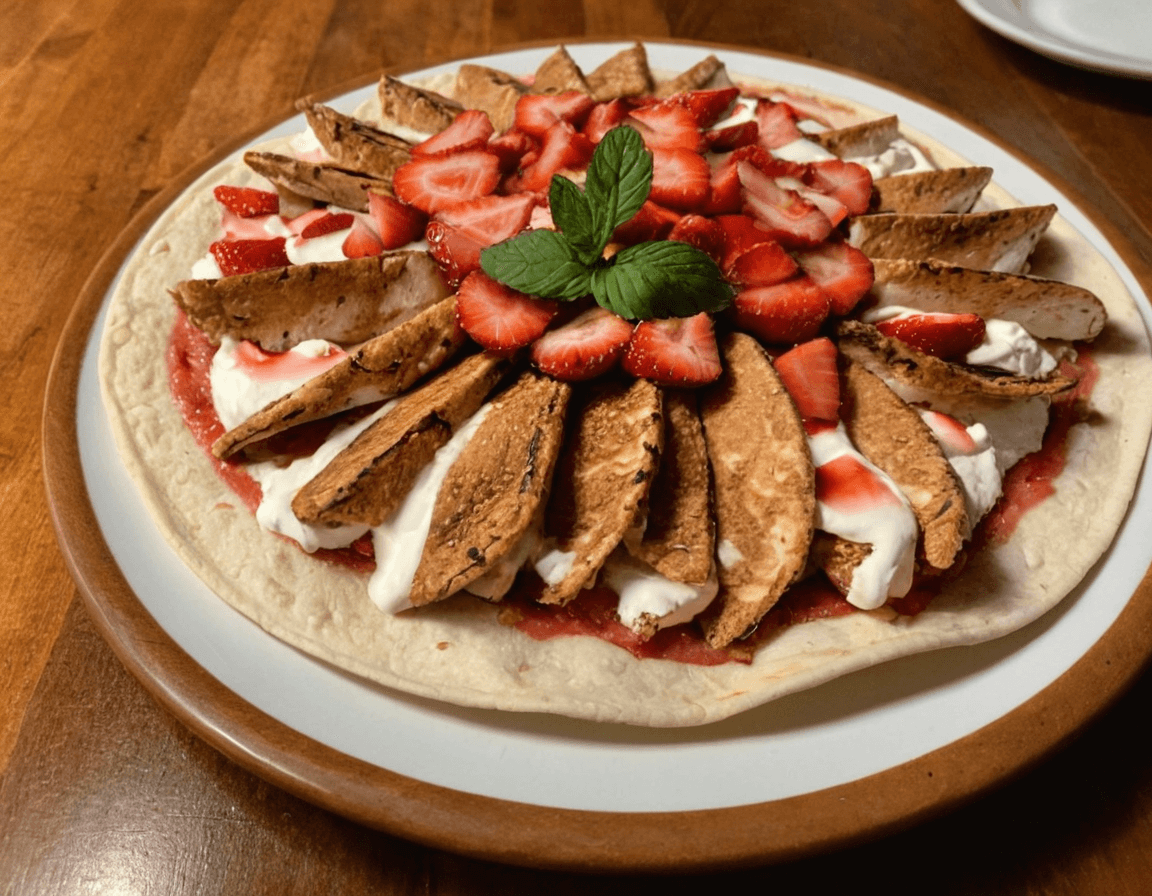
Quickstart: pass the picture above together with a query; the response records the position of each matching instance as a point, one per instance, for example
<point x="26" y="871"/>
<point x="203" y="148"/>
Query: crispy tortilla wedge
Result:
<point x="319" y="181"/>
<point x="625" y="74"/>
<point x="354" y="144"/>
<point x="491" y="91"/>
<point x="559" y="73"/>
<point x="412" y="107"/>
<point x="943" y="191"/>
<point x="868" y="138"/>
<point x="708" y="72"/>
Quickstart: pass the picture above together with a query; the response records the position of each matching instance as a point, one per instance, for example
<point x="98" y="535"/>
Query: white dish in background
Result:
<point x="1113" y="36"/>
<point x="840" y="732"/>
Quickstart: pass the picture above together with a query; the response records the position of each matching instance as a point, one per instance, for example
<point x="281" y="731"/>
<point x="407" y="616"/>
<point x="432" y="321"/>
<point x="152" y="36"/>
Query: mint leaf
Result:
<point x="658" y="280"/>
<point x="618" y="180"/>
<point x="572" y="213"/>
<point x="539" y="263"/>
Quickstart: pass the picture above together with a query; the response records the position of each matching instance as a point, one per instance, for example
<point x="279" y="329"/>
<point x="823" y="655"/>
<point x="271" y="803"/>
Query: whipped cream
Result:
<point x="647" y="597"/>
<point x="972" y="456"/>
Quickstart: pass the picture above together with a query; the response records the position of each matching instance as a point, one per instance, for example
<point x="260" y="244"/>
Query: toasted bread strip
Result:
<point x="491" y="91"/>
<point x="1048" y="309"/>
<point x="366" y="482"/>
<point x="937" y="192"/>
<point x="495" y="491"/>
<point x="679" y="540"/>
<point x="892" y="435"/>
<point x="414" y="107"/>
<point x="356" y="145"/>
<point x="559" y="73"/>
<point x="319" y="181"/>
<point x="603" y="477"/>
<point x="342" y="301"/>
<point x="987" y="241"/>
<point x="893" y="360"/>
<point x="625" y="74"/>
<point x="765" y="488"/>
<point x="865" y="139"/>
<point x="383" y="367"/>
<point x="708" y="72"/>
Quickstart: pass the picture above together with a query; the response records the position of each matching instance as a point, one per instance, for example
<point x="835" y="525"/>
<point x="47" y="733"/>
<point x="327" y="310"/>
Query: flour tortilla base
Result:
<point x="457" y="652"/>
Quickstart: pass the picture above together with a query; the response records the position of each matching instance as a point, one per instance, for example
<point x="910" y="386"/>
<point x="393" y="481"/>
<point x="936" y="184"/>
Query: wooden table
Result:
<point x="106" y="102"/>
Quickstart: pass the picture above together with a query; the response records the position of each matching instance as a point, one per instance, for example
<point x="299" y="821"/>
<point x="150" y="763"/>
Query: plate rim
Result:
<point x="1053" y="46"/>
<point x="545" y="837"/>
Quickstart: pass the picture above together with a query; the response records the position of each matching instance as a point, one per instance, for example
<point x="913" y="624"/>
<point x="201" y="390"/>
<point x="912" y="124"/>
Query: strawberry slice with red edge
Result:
<point x="843" y="272"/>
<point x="707" y="106"/>
<point x="652" y="222"/>
<point x="469" y="131"/>
<point x="564" y="149"/>
<point x="950" y="431"/>
<point x="777" y="124"/>
<point x="458" y="255"/>
<point x="810" y="374"/>
<point x="512" y="148"/>
<point x="764" y="264"/>
<point x="741" y="233"/>
<point x="679" y="351"/>
<point x="788" y="312"/>
<point x="847" y="182"/>
<point x="794" y="221"/>
<point x="587" y="346"/>
<point x="667" y="125"/>
<point x="249" y="256"/>
<point x="704" y="233"/>
<point x="681" y="179"/>
<point x="734" y="136"/>
<point x="435" y="182"/>
<point x="247" y="202"/>
<point x="327" y="223"/>
<point x="946" y="336"/>
<point x="362" y="240"/>
<point x="490" y="219"/>
<point x="499" y="318"/>
<point x="397" y="223"/>
<point x="537" y="112"/>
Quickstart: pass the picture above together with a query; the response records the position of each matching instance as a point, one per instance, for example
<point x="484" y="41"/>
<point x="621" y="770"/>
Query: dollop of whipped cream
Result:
<point x="647" y="597"/>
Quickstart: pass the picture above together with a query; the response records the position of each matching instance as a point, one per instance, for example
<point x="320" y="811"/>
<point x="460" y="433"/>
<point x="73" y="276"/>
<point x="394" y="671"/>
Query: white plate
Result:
<point x="1112" y="36"/>
<point x="841" y="732"/>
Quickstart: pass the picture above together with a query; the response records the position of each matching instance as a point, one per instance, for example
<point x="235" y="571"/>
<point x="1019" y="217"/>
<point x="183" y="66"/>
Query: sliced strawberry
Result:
<point x="469" y="131"/>
<point x="604" y="117"/>
<point x="847" y="182"/>
<point x="564" y="149"/>
<point x="777" y="124"/>
<point x="765" y="264"/>
<point x="435" y="182"/>
<point x="652" y="222"/>
<point x="847" y="485"/>
<point x="795" y="222"/>
<point x="457" y="255"/>
<point x="512" y="148"/>
<point x="843" y="272"/>
<point x="950" y="431"/>
<point x="680" y="351"/>
<point x="327" y="223"/>
<point x="499" y="318"/>
<point x="834" y="210"/>
<point x="746" y="133"/>
<point x="705" y="234"/>
<point x="680" y="179"/>
<point x="362" y="240"/>
<point x="667" y="125"/>
<point x="811" y="377"/>
<point x="587" y="346"/>
<point x="248" y="256"/>
<point x="397" y="223"/>
<point x="787" y="313"/>
<point x="947" y="336"/>
<point x="725" y="194"/>
<point x="537" y="112"/>
<point x="237" y="228"/>
<point x="767" y="163"/>
<point x="707" y="106"/>
<point x="247" y="202"/>
<point x="741" y="233"/>
<point x="296" y="226"/>
<point x="490" y="219"/>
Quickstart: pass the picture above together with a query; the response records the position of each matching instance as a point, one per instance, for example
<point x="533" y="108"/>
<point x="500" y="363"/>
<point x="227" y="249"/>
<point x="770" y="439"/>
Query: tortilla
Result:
<point x="456" y="651"/>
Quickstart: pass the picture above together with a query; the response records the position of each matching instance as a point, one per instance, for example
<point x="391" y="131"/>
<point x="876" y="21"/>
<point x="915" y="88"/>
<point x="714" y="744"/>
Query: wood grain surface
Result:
<point x="106" y="102"/>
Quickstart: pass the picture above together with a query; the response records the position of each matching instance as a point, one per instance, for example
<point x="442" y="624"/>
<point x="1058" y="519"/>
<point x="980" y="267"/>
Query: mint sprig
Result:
<point x="655" y="279"/>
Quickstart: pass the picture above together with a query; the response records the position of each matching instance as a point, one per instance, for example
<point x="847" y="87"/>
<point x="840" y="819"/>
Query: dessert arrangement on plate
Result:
<point x="632" y="396"/>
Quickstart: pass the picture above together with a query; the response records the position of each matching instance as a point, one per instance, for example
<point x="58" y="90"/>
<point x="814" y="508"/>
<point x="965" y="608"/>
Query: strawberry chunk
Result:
<point x="788" y="312"/>
<point x="435" y="182"/>
<point x="652" y="222"/>
<point x="810" y="375"/>
<point x="587" y="346"/>
<point x="499" y="318"/>
<point x="843" y="272"/>
<point x="327" y="223"/>
<point x="397" y="224"/>
<point x="458" y="255"/>
<point x="777" y="124"/>
<point x="950" y="432"/>
<point x="707" y="106"/>
<point x="680" y="179"/>
<point x="667" y="125"/>
<point x="734" y="136"/>
<point x="296" y="226"/>
<point x="741" y="233"/>
<point x="705" y="234"/>
<point x="247" y="202"/>
<point x="604" y="117"/>
<point x="237" y="228"/>
<point x="512" y="147"/>
<point x="564" y="149"/>
<point x="850" y="487"/>
<point x="847" y="182"/>
<point x="248" y="256"/>
<point x="362" y="241"/>
<point x="490" y="219"/>
<point x="469" y="131"/>
<point x="537" y="112"/>
<point x="947" y="336"/>
<point x="764" y="264"/>
<point x="794" y="221"/>
<point x="680" y="351"/>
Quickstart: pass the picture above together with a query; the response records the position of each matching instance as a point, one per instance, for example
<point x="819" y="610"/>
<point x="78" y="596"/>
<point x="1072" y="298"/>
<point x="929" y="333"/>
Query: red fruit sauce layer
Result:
<point x="1026" y="485"/>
